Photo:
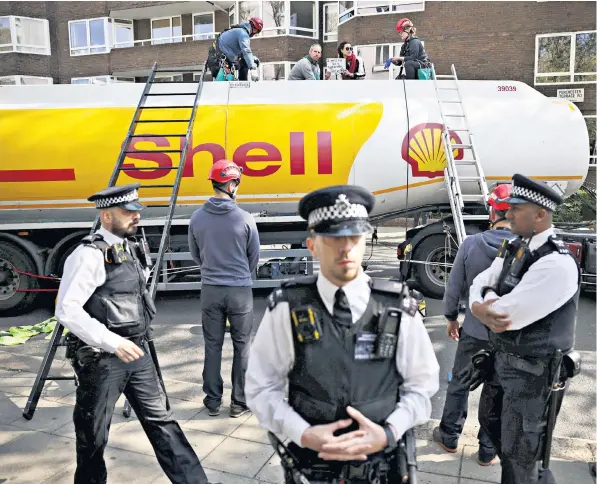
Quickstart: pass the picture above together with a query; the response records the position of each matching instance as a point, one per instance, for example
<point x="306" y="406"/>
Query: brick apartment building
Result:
<point x="550" y="45"/>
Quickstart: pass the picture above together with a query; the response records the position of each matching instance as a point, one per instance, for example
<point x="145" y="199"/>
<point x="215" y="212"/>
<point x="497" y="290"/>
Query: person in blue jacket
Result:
<point x="234" y="45"/>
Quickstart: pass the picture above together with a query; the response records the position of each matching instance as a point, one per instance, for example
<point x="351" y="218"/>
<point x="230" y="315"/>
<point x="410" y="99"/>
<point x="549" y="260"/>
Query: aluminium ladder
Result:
<point x="453" y="176"/>
<point x="56" y="337"/>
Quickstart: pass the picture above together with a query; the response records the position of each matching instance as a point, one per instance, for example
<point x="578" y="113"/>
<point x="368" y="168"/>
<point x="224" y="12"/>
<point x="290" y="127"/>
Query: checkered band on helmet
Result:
<point x="533" y="196"/>
<point x="342" y="210"/>
<point x="110" y="201"/>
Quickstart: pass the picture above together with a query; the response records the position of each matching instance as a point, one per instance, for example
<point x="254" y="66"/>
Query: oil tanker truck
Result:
<point x="59" y="144"/>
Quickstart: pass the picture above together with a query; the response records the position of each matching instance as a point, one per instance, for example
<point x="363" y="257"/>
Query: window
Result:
<point x="166" y="30"/>
<point x="91" y="36"/>
<point x="24" y="80"/>
<point x="330" y="22"/>
<point x="348" y="10"/>
<point x="275" y="71"/>
<point x="123" y="33"/>
<point x="24" y="34"/>
<point x="203" y="26"/>
<point x="280" y="17"/>
<point x="168" y="78"/>
<point x="591" y="121"/>
<point x="568" y="58"/>
<point x="101" y="80"/>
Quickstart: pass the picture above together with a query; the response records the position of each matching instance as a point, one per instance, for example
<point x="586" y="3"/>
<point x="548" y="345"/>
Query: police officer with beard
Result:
<point x="528" y="299"/>
<point x="358" y="360"/>
<point x="103" y="301"/>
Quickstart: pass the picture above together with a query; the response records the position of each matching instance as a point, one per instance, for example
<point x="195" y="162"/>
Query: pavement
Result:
<point x="42" y="450"/>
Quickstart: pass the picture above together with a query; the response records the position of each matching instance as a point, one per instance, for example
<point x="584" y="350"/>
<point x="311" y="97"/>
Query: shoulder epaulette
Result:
<point x="558" y="244"/>
<point x="300" y="281"/>
<point x="276" y="296"/>
<point x="90" y="240"/>
<point x="384" y="285"/>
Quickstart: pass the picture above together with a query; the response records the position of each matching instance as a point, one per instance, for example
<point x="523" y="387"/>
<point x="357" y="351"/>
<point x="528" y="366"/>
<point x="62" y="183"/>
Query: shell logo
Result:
<point x="423" y="149"/>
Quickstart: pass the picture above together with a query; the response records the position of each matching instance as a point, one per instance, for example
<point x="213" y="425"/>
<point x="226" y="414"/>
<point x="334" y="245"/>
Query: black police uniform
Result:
<point x="122" y="304"/>
<point x="337" y="362"/>
<point x="514" y="403"/>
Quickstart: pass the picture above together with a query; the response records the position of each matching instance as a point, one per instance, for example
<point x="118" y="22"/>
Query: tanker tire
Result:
<point x="20" y="301"/>
<point x="424" y="252"/>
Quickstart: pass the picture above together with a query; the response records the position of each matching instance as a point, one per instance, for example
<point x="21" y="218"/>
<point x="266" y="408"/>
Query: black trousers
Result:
<point x="513" y="411"/>
<point x="243" y="71"/>
<point x="219" y="303"/>
<point x="456" y="404"/>
<point x="409" y="70"/>
<point x="100" y="385"/>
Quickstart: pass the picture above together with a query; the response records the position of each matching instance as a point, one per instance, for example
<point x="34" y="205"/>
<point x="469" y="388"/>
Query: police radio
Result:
<point x="523" y="258"/>
<point x="385" y="343"/>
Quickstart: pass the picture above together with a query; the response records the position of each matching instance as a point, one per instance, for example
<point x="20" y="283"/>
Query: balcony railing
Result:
<point x="175" y="39"/>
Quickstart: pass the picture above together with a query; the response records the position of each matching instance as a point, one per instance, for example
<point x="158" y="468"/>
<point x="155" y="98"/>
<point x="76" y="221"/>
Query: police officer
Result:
<point x="358" y="360"/>
<point x="103" y="301"/>
<point x="528" y="299"/>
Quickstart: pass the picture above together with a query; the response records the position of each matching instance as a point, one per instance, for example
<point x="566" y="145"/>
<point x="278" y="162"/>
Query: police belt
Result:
<point x="74" y="344"/>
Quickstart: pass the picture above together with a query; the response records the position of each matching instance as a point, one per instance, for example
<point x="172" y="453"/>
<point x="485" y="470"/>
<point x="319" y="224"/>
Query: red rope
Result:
<point x="36" y="290"/>
<point x="36" y="275"/>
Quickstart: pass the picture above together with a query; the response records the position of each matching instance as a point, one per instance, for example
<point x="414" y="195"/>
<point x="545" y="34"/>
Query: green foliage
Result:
<point x="577" y="208"/>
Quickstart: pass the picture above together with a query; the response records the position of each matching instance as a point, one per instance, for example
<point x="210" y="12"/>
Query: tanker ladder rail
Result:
<point x="177" y="120"/>
<point x="452" y="175"/>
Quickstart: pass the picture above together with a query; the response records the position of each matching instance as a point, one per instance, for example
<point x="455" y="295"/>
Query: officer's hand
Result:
<point x="318" y="435"/>
<point x="352" y="447"/>
<point x="128" y="351"/>
<point x="452" y="330"/>
<point x="496" y="322"/>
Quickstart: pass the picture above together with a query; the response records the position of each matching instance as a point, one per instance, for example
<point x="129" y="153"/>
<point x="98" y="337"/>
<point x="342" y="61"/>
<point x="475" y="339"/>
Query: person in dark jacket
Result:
<point x="412" y="53"/>
<point x="224" y="242"/>
<point x="475" y="254"/>
<point x="355" y="67"/>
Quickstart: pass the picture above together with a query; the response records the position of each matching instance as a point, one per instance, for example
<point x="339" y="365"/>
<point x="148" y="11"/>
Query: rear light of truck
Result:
<point x="576" y="249"/>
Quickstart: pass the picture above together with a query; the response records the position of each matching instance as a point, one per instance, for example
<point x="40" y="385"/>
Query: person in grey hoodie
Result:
<point x="476" y="253"/>
<point x="224" y="242"/>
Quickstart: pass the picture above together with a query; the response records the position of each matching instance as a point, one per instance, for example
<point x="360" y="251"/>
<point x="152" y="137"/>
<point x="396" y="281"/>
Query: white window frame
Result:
<point x="27" y="48"/>
<point x="172" y="39"/>
<point x="107" y="38"/>
<point x="170" y="77"/>
<point x="393" y="70"/>
<point x="395" y="6"/>
<point x="592" y="156"/>
<point x="288" y="67"/>
<point x="327" y="34"/>
<point x="123" y="22"/>
<point x="209" y="35"/>
<point x="570" y="72"/>
<point x="107" y="78"/>
<point x="234" y="19"/>
<point x="19" y="80"/>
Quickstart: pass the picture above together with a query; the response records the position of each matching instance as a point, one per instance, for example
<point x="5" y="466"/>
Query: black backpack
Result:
<point x="214" y="55"/>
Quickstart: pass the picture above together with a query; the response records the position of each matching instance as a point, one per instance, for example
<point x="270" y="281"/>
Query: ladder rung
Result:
<point x="472" y="198"/>
<point x="457" y="146"/>
<point x="455" y="115"/>
<point x="136" y="168"/>
<point x="174" y="82"/>
<point x="154" y="151"/>
<point x="475" y="217"/>
<point x="157" y="135"/>
<point x="457" y="129"/>
<point x="162" y="121"/>
<point x="168" y="107"/>
<point x="451" y="102"/>
<point x="469" y="178"/>
<point x="465" y="162"/>
<point x="171" y="94"/>
<point x="448" y="88"/>
<point x="156" y="186"/>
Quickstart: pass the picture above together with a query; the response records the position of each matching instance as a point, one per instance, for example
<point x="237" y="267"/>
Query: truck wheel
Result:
<point x="433" y="275"/>
<point x="12" y="284"/>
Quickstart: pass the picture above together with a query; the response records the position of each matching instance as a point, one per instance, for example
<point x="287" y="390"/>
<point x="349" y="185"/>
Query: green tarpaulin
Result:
<point x="18" y="335"/>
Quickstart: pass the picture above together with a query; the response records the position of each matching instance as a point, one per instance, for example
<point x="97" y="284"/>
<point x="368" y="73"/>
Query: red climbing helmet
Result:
<point x="403" y="24"/>
<point x="498" y="196"/>
<point x="257" y="24"/>
<point x="223" y="171"/>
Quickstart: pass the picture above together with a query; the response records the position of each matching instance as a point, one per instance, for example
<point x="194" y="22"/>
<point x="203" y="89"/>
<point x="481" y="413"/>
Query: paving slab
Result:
<point x="239" y="456"/>
<point x="431" y="458"/>
<point x="472" y="470"/>
<point x="223" y="424"/>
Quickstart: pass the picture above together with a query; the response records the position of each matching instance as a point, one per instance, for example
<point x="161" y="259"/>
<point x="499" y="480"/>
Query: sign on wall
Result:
<point x="336" y="65"/>
<point x="574" y="95"/>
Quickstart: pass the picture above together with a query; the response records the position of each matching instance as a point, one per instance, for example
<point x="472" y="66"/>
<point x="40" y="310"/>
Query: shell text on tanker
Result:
<point x="423" y="149"/>
<point x="266" y="152"/>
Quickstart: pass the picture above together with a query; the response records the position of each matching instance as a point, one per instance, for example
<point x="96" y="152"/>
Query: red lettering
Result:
<point x="241" y="157"/>
<point x="162" y="159"/>
<point x="324" y="153"/>
<point x="297" y="153"/>
<point x="216" y="151"/>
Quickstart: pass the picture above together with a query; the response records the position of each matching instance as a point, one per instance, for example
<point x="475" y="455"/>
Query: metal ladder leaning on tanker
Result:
<point x="56" y="338"/>
<point x="452" y="177"/>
